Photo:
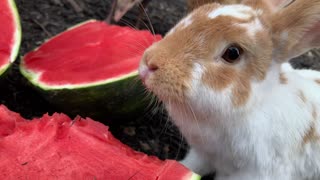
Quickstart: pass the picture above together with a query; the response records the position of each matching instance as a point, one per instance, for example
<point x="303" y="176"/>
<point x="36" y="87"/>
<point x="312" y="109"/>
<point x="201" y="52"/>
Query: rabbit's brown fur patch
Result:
<point x="311" y="134"/>
<point x="302" y="97"/>
<point x="283" y="79"/>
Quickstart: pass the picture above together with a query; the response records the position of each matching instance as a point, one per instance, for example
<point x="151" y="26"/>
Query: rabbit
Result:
<point x="223" y="75"/>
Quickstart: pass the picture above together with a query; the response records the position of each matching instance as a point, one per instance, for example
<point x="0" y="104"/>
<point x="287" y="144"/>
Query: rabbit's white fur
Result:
<point x="262" y="140"/>
<point x="273" y="133"/>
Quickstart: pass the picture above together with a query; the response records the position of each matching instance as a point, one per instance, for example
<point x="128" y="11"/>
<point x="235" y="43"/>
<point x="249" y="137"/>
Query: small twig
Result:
<point x="111" y="13"/>
<point x="42" y="27"/>
<point x="75" y="6"/>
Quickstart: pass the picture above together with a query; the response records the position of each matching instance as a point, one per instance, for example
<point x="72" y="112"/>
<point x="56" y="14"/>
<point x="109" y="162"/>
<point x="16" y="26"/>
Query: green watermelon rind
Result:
<point x="18" y="33"/>
<point x="195" y="176"/>
<point x="118" y="99"/>
<point x="18" y="36"/>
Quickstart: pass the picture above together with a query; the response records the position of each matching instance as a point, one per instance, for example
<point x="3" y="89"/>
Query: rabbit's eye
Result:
<point x="232" y="54"/>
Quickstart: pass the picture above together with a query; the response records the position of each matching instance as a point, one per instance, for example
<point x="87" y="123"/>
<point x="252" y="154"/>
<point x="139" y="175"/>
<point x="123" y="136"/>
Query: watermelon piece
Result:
<point x="10" y="34"/>
<point x="56" y="147"/>
<point x="91" y="69"/>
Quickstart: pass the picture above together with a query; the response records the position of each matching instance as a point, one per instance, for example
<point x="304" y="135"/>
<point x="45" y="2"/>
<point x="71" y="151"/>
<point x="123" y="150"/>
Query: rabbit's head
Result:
<point x="214" y="57"/>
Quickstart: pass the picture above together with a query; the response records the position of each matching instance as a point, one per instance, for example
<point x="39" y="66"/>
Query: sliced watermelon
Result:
<point x="10" y="34"/>
<point x="55" y="147"/>
<point x="90" y="69"/>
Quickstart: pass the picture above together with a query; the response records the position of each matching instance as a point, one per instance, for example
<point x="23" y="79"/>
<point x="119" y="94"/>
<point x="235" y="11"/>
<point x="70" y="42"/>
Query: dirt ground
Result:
<point x="43" y="19"/>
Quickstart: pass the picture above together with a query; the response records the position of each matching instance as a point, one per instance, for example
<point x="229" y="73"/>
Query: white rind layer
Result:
<point x="34" y="78"/>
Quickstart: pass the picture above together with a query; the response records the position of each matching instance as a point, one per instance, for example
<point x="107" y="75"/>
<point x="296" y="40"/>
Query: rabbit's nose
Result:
<point x="147" y="67"/>
<point x="151" y="66"/>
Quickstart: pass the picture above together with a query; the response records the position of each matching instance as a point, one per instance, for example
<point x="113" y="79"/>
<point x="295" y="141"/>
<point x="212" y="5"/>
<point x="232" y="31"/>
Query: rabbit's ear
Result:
<point x="295" y="29"/>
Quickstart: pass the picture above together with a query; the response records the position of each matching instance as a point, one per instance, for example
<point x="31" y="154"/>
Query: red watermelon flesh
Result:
<point x="89" y="53"/>
<point x="56" y="147"/>
<point x="9" y="32"/>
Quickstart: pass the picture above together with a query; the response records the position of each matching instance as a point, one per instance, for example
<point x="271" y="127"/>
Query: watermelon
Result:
<point x="10" y="34"/>
<point x="56" y="147"/>
<point x="91" y="70"/>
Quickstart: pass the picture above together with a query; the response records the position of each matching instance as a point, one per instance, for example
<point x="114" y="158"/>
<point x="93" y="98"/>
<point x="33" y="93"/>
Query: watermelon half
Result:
<point x="91" y="69"/>
<point x="10" y="34"/>
<point x="56" y="147"/>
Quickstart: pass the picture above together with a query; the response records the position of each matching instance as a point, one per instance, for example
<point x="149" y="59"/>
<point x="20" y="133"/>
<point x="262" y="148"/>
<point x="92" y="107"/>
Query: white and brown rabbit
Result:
<point x="219" y="73"/>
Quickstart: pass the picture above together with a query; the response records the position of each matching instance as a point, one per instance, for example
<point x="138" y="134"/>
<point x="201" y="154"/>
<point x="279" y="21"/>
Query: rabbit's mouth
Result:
<point x="164" y="84"/>
<point x="165" y="73"/>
